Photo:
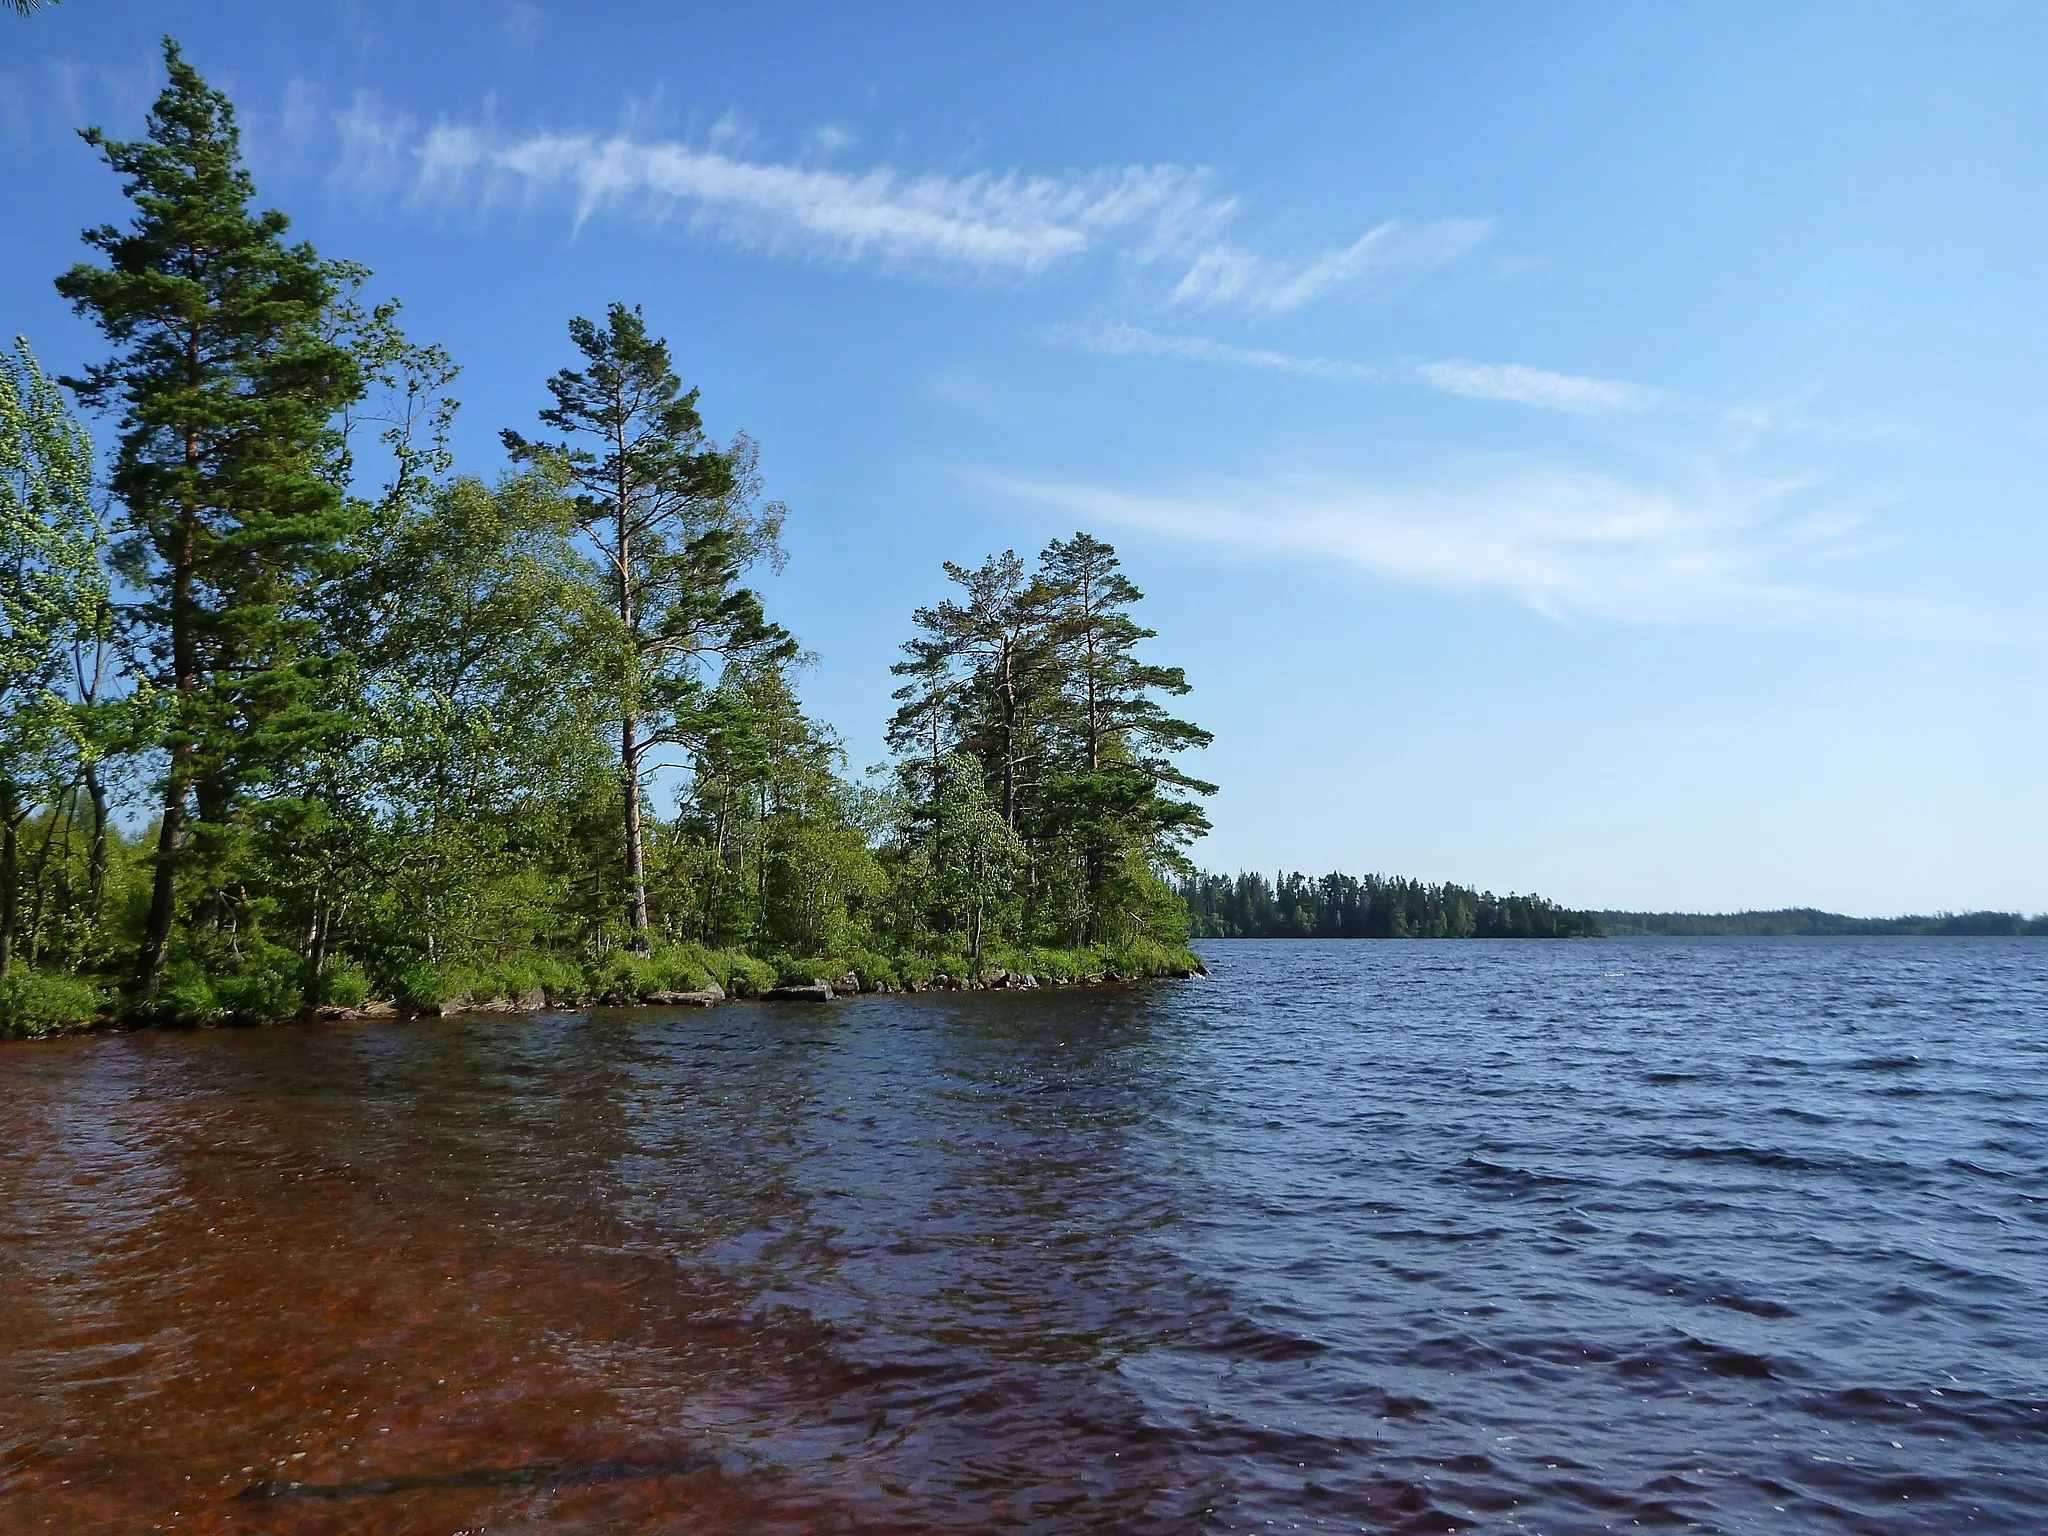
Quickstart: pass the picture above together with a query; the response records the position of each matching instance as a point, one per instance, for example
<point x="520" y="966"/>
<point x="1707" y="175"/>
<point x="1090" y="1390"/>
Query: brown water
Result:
<point x="1368" y="1237"/>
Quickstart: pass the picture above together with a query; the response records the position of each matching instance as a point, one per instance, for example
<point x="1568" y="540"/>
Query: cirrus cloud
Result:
<point x="1565" y="543"/>
<point x="1535" y="386"/>
<point x="1165" y="217"/>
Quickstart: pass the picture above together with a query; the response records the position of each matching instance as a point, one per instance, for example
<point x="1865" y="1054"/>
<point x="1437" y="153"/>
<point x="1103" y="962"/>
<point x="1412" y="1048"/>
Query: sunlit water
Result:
<point x="1729" y="1236"/>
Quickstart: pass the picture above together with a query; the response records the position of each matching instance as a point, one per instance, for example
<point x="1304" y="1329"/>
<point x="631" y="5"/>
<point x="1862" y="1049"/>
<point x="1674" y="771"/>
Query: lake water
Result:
<point x="1743" y="1236"/>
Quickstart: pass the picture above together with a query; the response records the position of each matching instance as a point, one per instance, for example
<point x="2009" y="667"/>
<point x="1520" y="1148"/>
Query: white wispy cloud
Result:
<point x="1117" y="339"/>
<point x="1564" y="543"/>
<point x="1513" y="382"/>
<point x="377" y="148"/>
<point x="1158" y="218"/>
<point x="1535" y="386"/>
<point x="1231" y="275"/>
<point x="978" y="221"/>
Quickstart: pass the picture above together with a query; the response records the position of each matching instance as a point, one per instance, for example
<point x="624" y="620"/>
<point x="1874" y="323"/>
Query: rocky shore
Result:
<point x="819" y="989"/>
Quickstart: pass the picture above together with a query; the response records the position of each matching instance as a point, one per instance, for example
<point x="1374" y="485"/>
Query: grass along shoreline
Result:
<point x="41" y="1005"/>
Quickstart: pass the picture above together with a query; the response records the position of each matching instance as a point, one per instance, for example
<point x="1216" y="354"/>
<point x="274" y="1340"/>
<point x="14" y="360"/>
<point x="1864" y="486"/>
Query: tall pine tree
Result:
<point x="675" y="521"/>
<point x="1121" y="794"/>
<point x="227" y="383"/>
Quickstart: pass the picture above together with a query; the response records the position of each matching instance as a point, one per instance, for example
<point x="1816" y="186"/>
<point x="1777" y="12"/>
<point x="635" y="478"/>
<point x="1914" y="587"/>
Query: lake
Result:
<point x="1721" y="1235"/>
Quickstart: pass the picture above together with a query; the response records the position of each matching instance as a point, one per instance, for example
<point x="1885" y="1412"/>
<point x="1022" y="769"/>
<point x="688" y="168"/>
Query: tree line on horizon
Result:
<point x="293" y="710"/>
<point x="1339" y="906"/>
<point x="1810" y="922"/>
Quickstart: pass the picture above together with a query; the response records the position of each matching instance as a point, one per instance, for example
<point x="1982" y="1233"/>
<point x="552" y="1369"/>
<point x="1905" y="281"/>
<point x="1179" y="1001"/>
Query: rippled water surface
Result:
<point x="1728" y="1236"/>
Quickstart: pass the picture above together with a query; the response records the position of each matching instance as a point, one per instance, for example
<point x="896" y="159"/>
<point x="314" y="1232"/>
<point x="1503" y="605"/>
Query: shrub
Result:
<point x="624" y="977"/>
<point x="262" y="993"/>
<point x="743" y="975"/>
<point x="556" y="979"/>
<point x="794" y="972"/>
<point x="429" y="986"/>
<point x="682" y="968"/>
<point x="184" y="996"/>
<point x="873" y="970"/>
<point x="33" y="1004"/>
<point x="1147" y="957"/>
<point x="341" y="983"/>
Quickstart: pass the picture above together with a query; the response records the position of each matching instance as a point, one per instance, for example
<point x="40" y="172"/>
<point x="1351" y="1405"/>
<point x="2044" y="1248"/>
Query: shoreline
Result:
<point x="536" y="1002"/>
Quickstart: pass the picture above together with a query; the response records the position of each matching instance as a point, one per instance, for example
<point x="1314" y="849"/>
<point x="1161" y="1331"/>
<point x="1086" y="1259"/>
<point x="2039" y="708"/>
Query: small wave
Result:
<point x="1477" y="1170"/>
<point x="1755" y="1157"/>
<point x="1690" y="1355"/>
<point x="1477" y="1235"/>
<point x="1935" y="1409"/>
<point x="1755" y="1306"/>
<point x="1964" y="1165"/>
<point x="1249" y="1341"/>
<point x="1803" y="1116"/>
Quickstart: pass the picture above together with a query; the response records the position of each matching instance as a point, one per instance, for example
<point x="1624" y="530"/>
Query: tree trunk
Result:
<point x="38" y="881"/>
<point x="11" y="813"/>
<point x="170" y="841"/>
<point x="96" y="860"/>
<point x="629" y="741"/>
<point x="316" y="945"/>
<point x="1009" y="738"/>
<point x="636" y="869"/>
<point x="163" y="894"/>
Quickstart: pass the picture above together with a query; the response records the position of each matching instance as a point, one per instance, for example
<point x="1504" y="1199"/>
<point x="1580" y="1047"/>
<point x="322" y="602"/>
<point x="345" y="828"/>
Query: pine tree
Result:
<point x="227" y="387"/>
<point x="1121" y="794"/>
<point x="675" y="520"/>
<point x="978" y="676"/>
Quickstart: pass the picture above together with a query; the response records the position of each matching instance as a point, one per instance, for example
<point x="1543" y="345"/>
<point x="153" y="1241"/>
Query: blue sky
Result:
<point x="1590" y="449"/>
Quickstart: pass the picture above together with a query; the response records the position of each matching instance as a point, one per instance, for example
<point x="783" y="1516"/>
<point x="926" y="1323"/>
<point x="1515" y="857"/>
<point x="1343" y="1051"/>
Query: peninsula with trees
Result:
<point x="297" y="715"/>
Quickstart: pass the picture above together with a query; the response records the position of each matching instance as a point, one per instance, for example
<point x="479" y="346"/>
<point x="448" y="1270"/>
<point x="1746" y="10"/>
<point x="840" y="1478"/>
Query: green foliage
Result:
<point x="429" y="986"/>
<point x="1369" y="907"/>
<point x="342" y="984"/>
<point x="53" y="603"/>
<point x="267" y="984"/>
<point x="229" y="388"/>
<point x="742" y="975"/>
<point x="398" y="725"/>
<point x="675" y="522"/>
<point x="1141" y="958"/>
<point x="186" y="996"/>
<point x="1808" y="922"/>
<point x="34" y="1004"/>
<point x="1038" y="790"/>
<point x="792" y="971"/>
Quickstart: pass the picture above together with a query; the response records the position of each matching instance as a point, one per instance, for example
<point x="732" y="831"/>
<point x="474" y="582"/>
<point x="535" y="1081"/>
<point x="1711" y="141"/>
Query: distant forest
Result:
<point x="1336" y="906"/>
<point x="1296" y="906"/>
<point x="1808" y="922"/>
